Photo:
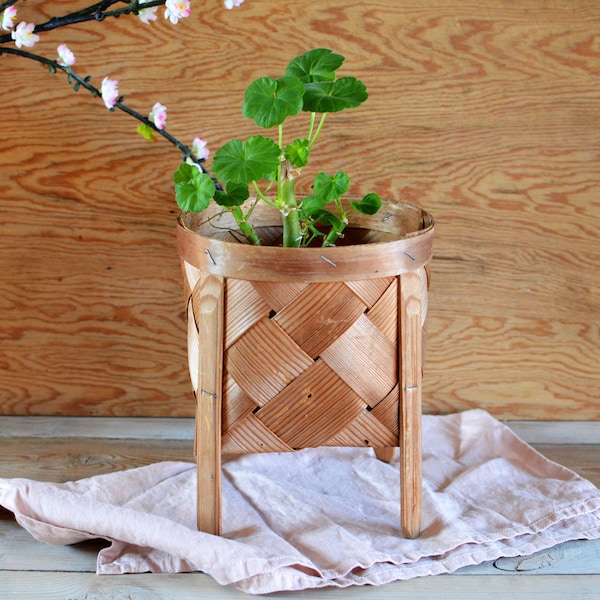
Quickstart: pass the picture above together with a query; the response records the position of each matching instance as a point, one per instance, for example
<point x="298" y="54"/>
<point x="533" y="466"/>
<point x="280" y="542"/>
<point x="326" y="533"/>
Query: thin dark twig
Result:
<point x="95" y="12"/>
<point x="84" y="82"/>
<point x="4" y="5"/>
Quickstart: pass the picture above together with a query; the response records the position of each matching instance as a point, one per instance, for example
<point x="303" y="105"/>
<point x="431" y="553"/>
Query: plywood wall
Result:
<point x="485" y="113"/>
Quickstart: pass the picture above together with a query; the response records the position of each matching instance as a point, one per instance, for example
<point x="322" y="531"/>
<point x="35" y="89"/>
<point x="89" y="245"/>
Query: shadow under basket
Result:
<point x="296" y="348"/>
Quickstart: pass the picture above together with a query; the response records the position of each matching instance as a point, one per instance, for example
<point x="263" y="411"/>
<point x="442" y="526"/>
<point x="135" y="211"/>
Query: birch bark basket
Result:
<point x="294" y="348"/>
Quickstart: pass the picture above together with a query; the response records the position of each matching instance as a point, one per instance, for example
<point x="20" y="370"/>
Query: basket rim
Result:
<point x="427" y="220"/>
<point x="227" y="258"/>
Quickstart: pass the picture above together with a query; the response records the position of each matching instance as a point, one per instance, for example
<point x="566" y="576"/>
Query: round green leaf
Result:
<point x="331" y="188"/>
<point x="234" y="195"/>
<point x="268" y="102"/>
<point x="184" y="173"/>
<point x="243" y="162"/>
<point x="369" y="205"/>
<point x="311" y="206"/>
<point x="297" y="153"/>
<point x="319" y="64"/>
<point x="193" y="189"/>
<point x="326" y="217"/>
<point x="324" y="97"/>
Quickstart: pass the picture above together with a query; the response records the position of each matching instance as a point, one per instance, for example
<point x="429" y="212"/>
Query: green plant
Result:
<point x="310" y="86"/>
<point x="260" y="165"/>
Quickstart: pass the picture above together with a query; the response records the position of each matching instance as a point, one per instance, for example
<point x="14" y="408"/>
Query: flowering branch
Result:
<point x="26" y="34"/>
<point x="94" y="12"/>
<point x="309" y="85"/>
<point x="79" y="82"/>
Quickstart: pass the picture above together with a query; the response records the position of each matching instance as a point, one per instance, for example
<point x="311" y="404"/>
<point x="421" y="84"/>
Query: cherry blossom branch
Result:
<point x="6" y="4"/>
<point x="25" y="34"/>
<point x="84" y="82"/>
<point x="95" y="12"/>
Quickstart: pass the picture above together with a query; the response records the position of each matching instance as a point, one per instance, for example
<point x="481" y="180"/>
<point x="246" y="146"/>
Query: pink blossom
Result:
<point x="229" y="4"/>
<point x="9" y="17"/>
<point x="24" y="36"/>
<point x="158" y="115"/>
<point x="110" y="92"/>
<point x="199" y="149"/>
<point x="65" y="57"/>
<point x="177" y="9"/>
<point x="147" y="14"/>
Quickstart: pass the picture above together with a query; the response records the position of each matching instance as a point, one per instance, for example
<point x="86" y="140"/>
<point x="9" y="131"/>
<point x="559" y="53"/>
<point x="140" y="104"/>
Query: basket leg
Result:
<point x="411" y="336"/>
<point x="385" y="454"/>
<point x="208" y="301"/>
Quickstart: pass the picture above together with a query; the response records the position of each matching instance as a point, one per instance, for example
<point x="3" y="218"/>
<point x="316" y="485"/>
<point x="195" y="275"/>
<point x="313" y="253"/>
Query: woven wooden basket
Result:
<point x="295" y="348"/>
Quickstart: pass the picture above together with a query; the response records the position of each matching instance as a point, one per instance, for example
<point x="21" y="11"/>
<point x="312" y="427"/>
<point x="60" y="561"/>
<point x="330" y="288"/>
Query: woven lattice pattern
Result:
<point x="306" y="364"/>
<point x="310" y="365"/>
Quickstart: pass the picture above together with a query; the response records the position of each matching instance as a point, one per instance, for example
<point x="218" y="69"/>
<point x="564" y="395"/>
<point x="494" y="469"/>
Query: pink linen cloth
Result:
<point x="325" y="516"/>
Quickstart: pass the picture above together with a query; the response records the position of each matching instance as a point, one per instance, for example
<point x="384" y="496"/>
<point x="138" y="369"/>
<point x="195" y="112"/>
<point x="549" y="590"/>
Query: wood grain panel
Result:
<point x="486" y="114"/>
<point x="67" y="459"/>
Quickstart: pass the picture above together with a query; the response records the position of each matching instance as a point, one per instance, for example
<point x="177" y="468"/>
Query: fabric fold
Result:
<point x="324" y="516"/>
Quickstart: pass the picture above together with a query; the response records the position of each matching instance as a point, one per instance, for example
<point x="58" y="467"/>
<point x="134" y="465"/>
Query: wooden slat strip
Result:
<point x="265" y="343"/>
<point x="190" y="586"/>
<point x="144" y="428"/>
<point x="313" y="408"/>
<point x="370" y="290"/>
<point x="387" y="411"/>
<point x="165" y="428"/>
<point x="277" y="294"/>
<point x="209" y="398"/>
<point x="400" y="253"/>
<point x="365" y="359"/>
<point x="410" y="354"/>
<point x="244" y="307"/>
<point x="320" y="315"/>
<point x="384" y="313"/>
<point x="364" y="430"/>
<point x="251" y="435"/>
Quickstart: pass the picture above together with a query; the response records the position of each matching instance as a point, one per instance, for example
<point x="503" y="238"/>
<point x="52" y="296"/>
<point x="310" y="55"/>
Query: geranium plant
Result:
<point x="260" y="166"/>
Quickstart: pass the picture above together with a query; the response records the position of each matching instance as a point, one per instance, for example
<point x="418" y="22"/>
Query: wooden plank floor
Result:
<point x="57" y="449"/>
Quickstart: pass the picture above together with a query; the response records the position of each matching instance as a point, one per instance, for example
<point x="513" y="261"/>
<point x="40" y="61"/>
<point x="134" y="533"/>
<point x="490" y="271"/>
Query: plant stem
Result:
<point x="262" y="195"/>
<point x="319" y="127"/>
<point x="292" y="236"/>
<point x="244" y="226"/>
<point x="332" y="237"/>
<point x="335" y="232"/>
<point x="290" y="217"/>
<point x="312" y="125"/>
